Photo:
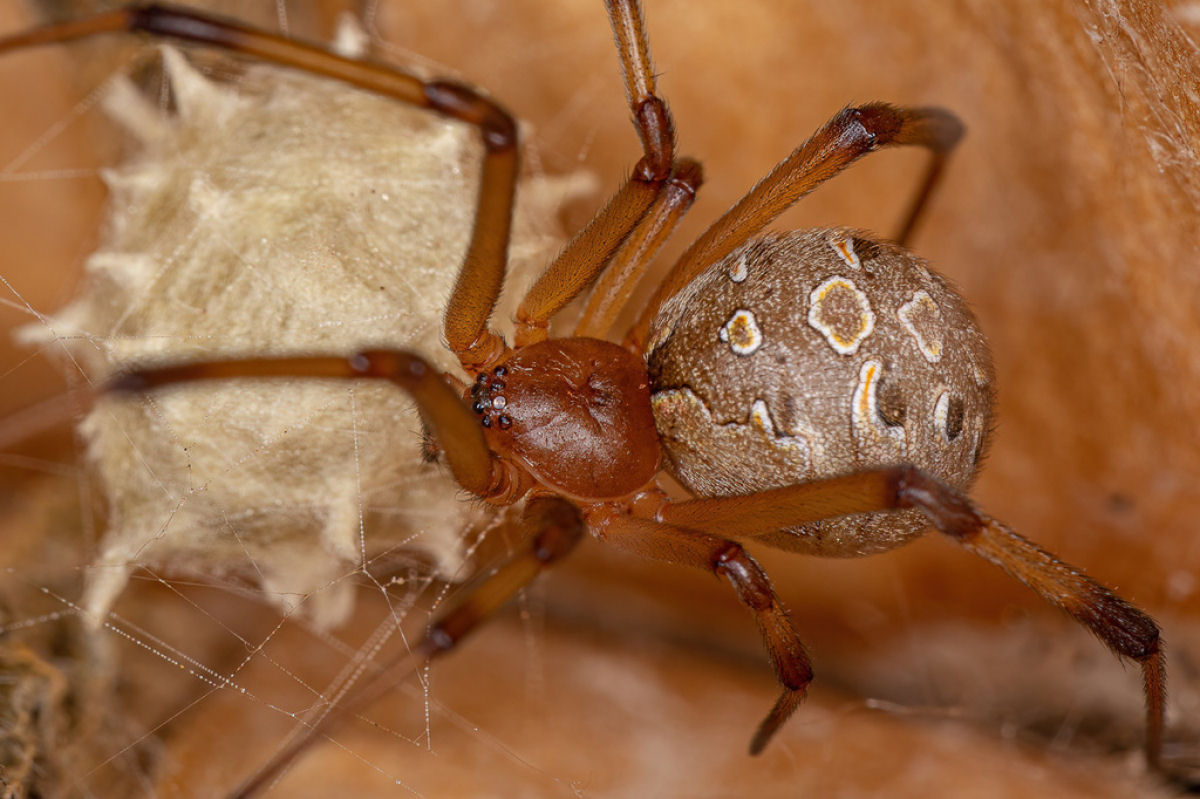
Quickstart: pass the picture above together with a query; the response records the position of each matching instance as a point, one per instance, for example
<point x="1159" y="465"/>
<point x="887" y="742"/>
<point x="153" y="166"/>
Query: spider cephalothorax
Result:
<point x="575" y="413"/>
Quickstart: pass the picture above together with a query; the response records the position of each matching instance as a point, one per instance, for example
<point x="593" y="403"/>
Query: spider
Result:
<point x="573" y="426"/>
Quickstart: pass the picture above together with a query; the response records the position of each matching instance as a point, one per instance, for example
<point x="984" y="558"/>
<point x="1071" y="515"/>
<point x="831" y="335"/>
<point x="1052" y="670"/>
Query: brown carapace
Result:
<point x="821" y="391"/>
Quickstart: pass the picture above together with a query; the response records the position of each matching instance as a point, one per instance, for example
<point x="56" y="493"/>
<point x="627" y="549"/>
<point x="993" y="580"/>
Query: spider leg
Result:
<point x="946" y="137"/>
<point x="553" y="527"/>
<point x="637" y="252"/>
<point x="451" y="421"/>
<point x="617" y="244"/>
<point x="650" y="114"/>
<point x="724" y="558"/>
<point x="653" y="198"/>
<point x="1125" y="629"/>
<point x="851" y="134"/>
<point x="482" y="274"/>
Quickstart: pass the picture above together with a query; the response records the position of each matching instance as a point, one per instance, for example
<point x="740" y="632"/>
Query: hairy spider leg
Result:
<point x="652" y="200"/>
<point x="765" y="516"/>
<point x="442" y="410"/>
<point x="848" y="136"/>
<point x="656" y="540"/>
<point x="616" y="284"/>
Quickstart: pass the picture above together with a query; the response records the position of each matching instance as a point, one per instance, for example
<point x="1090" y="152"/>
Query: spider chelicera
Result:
<point x="819" y="391"/>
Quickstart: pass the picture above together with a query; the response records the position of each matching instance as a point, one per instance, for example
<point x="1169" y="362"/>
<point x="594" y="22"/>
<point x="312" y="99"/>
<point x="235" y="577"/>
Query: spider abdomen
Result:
<point x="576" y="413"/>
<point x="813" y="354"/>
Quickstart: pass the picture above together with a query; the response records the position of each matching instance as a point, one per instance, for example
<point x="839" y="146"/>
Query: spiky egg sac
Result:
<point x="285" y="215"/>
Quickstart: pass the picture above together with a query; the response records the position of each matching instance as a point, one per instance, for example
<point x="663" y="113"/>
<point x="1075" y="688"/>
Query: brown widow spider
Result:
<point x="573" y="425"/>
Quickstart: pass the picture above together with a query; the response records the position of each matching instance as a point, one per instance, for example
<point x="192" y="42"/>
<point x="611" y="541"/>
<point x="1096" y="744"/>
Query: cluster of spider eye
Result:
<point x="487" y="398"/>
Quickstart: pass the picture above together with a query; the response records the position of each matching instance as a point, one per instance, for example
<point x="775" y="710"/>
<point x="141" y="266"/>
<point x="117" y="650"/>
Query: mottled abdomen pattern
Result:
<point x="813" y="354"/>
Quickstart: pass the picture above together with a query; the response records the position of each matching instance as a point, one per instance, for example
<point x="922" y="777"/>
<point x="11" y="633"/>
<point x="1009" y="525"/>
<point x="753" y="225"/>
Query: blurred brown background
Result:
<point x="1069" y="218"/>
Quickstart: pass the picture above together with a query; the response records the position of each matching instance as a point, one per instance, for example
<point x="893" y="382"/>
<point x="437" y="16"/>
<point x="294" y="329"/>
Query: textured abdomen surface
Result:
<point x="813" y="354"/>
